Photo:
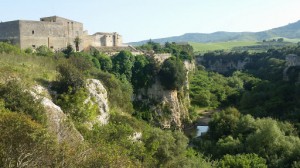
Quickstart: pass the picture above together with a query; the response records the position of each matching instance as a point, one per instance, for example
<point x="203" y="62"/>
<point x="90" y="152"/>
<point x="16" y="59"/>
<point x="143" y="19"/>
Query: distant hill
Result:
<point x="290" y="31"/>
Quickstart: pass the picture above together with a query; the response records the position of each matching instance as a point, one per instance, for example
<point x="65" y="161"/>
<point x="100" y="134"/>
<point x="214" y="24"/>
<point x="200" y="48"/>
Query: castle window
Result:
<point x="51" y="47"/>
<point x="32" y="32"/>
<point x="33" y="46"/>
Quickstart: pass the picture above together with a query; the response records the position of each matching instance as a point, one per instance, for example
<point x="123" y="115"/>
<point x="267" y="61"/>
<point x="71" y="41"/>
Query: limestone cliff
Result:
<point x="292" y="61"/>
<point x="98" y="96"/>
<point x="171" y="106"/>
<point x="223" y="65"/>
<point x="58" y="122"/>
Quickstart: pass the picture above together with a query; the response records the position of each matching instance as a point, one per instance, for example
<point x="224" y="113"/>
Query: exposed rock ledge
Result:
<point x="57" y="121"/>
<point x="98" y="96"/>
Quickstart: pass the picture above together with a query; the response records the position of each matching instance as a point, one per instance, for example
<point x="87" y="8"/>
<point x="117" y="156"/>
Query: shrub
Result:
<point x="119" y="91"/>
<point x="18" y="99"/>
<point x="24" y="143"/>
<point x="9" y="48"/>
<point x="76" y="106"/>
<point x="242" y="160"/>
<point x="43" y="51"/>
<point x="82" y="63"/>
<point x="28" y="50"/>
<point x="69" y="76"/>
<point x="68" y="51"/>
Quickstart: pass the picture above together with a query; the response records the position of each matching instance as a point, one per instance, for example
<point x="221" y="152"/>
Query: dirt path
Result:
<point x="205" y="117"/>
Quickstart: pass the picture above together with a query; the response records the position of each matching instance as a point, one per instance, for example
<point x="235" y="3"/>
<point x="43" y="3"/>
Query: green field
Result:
<point x="290" y="40"/>
<point x="205" y="47"/>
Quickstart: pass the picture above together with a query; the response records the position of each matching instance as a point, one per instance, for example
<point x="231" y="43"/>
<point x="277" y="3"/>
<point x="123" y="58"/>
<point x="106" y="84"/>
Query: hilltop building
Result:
<point x="55" y="33"/>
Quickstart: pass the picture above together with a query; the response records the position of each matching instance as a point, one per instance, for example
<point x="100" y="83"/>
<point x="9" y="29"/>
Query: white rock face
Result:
<point x="136" y="137"/>
<point x="57" y="121"/>
<point x="168" y="98"/>
<point x="98" y="96"/>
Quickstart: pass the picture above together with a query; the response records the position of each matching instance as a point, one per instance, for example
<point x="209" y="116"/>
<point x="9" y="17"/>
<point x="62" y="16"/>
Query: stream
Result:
<point x="201" y="130"/>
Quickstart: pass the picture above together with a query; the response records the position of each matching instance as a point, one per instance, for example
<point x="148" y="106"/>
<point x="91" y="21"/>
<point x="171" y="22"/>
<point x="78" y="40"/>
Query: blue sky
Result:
<point x="144" y="19"/>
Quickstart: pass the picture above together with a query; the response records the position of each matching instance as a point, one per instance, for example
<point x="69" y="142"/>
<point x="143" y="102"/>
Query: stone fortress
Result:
<point x="55" y="33"/>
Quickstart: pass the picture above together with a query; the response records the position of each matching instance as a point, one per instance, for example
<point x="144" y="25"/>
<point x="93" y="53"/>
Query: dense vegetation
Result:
<point x="25" y="140"/>
<point x="258" y="90"/>
<point x="264" y="125"/>
<point x="256" y="123"/>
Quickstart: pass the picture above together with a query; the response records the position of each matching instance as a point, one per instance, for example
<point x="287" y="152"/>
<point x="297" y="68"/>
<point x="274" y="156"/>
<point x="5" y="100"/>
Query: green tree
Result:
<point x="224" y="123"/>
<point x="172" y="74"/>
<point x="123" y="63"/>
<point x="69" y="77"/>
<point x="77" y="42"/>
<point x="105" y="62"/>
<point x="166" y="146"/>
<point x="144" y="72"/>
<point x="274" y="141"/>
<point x="68" y="51"/>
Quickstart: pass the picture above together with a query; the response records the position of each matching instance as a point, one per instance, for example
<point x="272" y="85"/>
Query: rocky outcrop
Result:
<point x="57" y="122"/>
<point x="223" y="65"/>
<point x="292" y="60"/>
<point x="161" y="57"/>
<point x="136" y="137"/>
<point x="171" y="106"/>
<point x="98" y="96"/>
<point x="167" y="106"/>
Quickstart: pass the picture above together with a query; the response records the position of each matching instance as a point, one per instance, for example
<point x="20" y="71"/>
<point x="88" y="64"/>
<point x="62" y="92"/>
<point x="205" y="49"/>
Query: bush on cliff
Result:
<point x="18" y="99"/>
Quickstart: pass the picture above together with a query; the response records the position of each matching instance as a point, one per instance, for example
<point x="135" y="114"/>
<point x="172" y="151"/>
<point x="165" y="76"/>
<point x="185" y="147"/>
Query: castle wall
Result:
<point x="103" y="40"/>
<point x="88" y="40"/>
<point x="9" y="31"/>
<point x="35" y="34"/>
<point x="119" y="40"/>
<point x="55" y="33"/>
<point x="108" y="40"/>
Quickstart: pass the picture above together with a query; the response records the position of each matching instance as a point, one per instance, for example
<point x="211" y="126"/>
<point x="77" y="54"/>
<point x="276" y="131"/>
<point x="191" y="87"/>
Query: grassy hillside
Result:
<point x="27" y="68"/>
<point x="204" y="47"/>
<point x="290" y="31"/>
<point x="289" y="40"/>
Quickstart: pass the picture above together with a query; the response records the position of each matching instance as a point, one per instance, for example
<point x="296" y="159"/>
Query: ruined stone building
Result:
<point x="55" y="33"/>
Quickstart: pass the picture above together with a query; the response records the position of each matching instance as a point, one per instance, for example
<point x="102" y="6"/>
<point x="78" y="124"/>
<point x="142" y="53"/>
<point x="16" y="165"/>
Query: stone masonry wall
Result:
<point x="10" y="31"/>
<point x="54" y="32"/>
<point x="35" y="34"/>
